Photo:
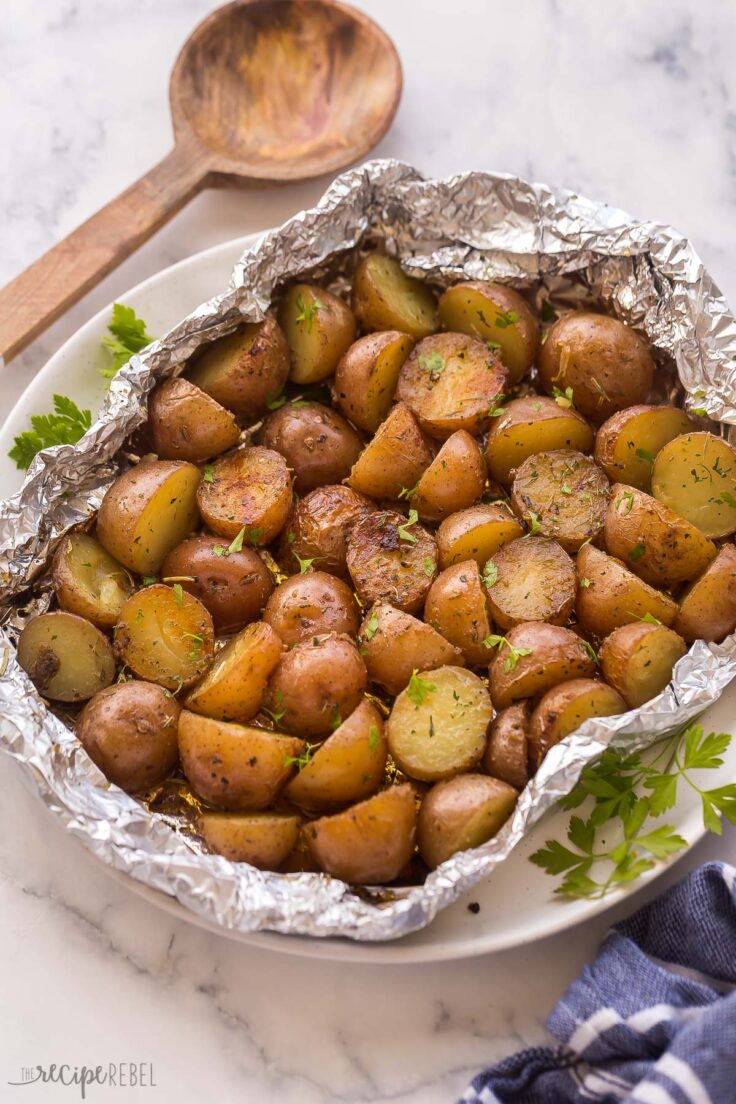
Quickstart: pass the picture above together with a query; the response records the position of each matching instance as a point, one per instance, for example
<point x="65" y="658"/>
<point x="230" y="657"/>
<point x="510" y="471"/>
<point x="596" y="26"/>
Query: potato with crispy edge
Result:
<point x="610" y="595"/>
<point x="461" y="813"/>
<point x="607" y="364"/>
<point x="708" y="607"/>
<point x="317" y="443"/>
<point x="385" y="298"/>
<point x="394" y="459"/>
<point x="264" y="840"/>
<point x="233" y="586"/>
<point x="532" y="424"/>
<point x="188" y="424"/>
<point x="627" y="443"/>
<point x="366" y="377"/>
<point x="245" y="369"/>
<point x="495" y="314"/>
<point x="319" y="327"/>
<point x="235" y="766"/>
<point x="130" y="731"/>
<point x="530" y="579"/>
<point x="437" y="726"/>
<point x="394" y="644"/>
<point x="371" y="842"/>
<point x="476" y="533"/>
<point x="561" y="494"/>
<point x="66" y="657"/>
<point x="310" y="605"/>
<point x="319" y="527"/>
<point x="564" y="708"/>
<point x="392" y="559"/>
<point x="453" y="481"/>
<point x="533" y="658"/>
<point x="450" y="382"/>
<point x="506" y="755"/>
<point x="662" y="548"/>
<point x="147" y="511"/>
<point x="165" y="635"/>
<point x="637" y="660"/>
<point x="457" y="607"/>
<point x="317" y="685"/>
<point x="249" y="489"/>
<point x="235" y="685"/>
<point x="349" y="766"/>
<point x="695" y="475"/>
<point x="88" y="581"/>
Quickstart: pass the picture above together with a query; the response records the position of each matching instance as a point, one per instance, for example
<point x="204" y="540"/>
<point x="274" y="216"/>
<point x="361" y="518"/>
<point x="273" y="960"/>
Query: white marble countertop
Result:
<point x="634" y="104"/>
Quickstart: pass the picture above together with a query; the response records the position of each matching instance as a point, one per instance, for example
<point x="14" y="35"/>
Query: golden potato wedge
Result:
<point x="232" y="586"/>
<point x="88" y="581"/>
<point x="235" y="685"/>
<point x="392" y="559"/>
<point x="319" y="327"/>
<point x="66" y="657"/>
<point x="627" y="443"/>
<point x="165" y="635"/>
<point x="438" y="725"/>
<point x="366" y="377"/>
<point x="637" y="660"/>
<point x="319" y="527"/>
<point x="234" y="766"/>
<point x="561" y="494"/>
<point x="317" y="685"/>
<point x="264" y="840"/>
<point x="533" y="658"/>
<point x="248" y="490"/>
<point x="453" y="481"/>
<point x="394" y="644"/>
<point x="506" y="755"/>
<point x="695" y="475"/>
<point x="457" y="607"/>
<point x="495" y="314"/>
<point x="349" y="766"/>
<point x="476" y="534"/>
<point x="371" y="842"/>
<point x="245" y="369"/>
<point x="461" y="813"/>
<point x="393" y="461"/>
<point x="564" y="708"/>
<point x="657" y="544"/>
<point x="385" y="298"/>
<point x="317" y="444"/>
<point x="609" y="595"/>
<point x="530" y="579"/>
<point x="450" y="382"/>
<point x="147" y="511"/>
<point x="187" y="424"/>
<point x="310" y="605"/>
<point x="532" y="424"/>
<point x="708" y="607"/>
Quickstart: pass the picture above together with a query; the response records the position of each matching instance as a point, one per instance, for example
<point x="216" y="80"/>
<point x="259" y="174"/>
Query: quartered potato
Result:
<point x="264" y="840"/>
<point x="317" y="444"/>
<point x="319" y="327"/>
<point x="234" y="687"/>
<point x="497" y="315"/>
<point x="249" y="490"/>
<point x="450" y="382"/>
<point x="65" y="656"/>
<point x="708" y="607"/>
<point x="610" y="595"/>
<point x="437" y="726"/>
<point x="385" y="298"/>
<point x="316" y="685"/>
<point x="532" y="424"/>
<point x="246" y="369"/>
<point x="165" y="635"/>
<point x="563" y="709"/>
<point x="147" y="511"/>
<point x="319" y="527"/>
<point x="393" y="461"/>
<point x="476" y="533"/>
<point x="637" y="660"/>
<point x="366" y="377"/>
<point x="392" y="559"/>
<point x="626" y="444"/>
<point x="457" y="607"/>
<point x="461" y="813"/>
<point x="561" y="494"/>
<point x="454" y="480"/>
<point x="506" y="756"/>
<point x="533" y="658"/>
<point x="530" y="579"/>
<point x="88" y="581"/>
<point x="187" y="424"/>
<point x="394" y="644"/>
<point x="310" y="605"/>
<point x="233" y="586"/>
<point x="695" y="475"/>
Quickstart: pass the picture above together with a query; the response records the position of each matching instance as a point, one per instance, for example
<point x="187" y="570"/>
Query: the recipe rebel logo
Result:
<point x="113" y="1075"/>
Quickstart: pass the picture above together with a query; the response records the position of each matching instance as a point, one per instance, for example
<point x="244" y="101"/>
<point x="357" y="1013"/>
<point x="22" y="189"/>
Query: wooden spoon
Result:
<point x="264" y="91"/>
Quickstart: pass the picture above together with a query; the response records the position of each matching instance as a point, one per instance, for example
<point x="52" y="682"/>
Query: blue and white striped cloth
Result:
<point x="651" y="1021"/>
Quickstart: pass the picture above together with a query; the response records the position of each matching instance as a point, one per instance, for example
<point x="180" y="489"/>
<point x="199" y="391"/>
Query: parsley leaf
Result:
<point x="178" y="594"/>
<point x="127" y="336"/>
<point x="64" y="427"/>
<point x="419" y="689"/>
<point x="489" y="576"/>
<point x="504" y="319"/>
<point x="403" y="530"/>
<point x="564" y="398"/>
<point x="307" y="313"/>
<point x="644" y="455"/>
<point x="371" y="627"/>
<point x="373" y="737"/>
<point x="434" y="364"/>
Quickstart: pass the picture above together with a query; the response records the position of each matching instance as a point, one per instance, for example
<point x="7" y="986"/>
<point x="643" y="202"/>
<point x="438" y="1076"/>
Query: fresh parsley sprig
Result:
<point x="64" y="427"/>
<point x="514" y="653"/>
<point x="128" y="336"/>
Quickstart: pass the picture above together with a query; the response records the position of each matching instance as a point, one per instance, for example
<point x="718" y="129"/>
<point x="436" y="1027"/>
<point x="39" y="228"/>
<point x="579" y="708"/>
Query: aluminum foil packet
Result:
<point x="475" y="225"/>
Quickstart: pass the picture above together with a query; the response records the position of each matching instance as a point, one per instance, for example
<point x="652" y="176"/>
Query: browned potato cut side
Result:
<point x="187" y="424"/>
<point x="248" y="490"/>
<point x="476" y="534"/>
<point x="497" y="315"/>
<point x="695" y="475"/>
<point x="317" y="685"/>
<point x="394" y="644"/>
<point x="565" y="708"/>
<point x="310" y="605"/>
<point x="65" y="656"/>
<point x="264" y="840"/>
<point x="637" y="660"/>
<point x="530" y="579"/>
<point x="319" y="527"/>
<point x="461" y="813"/>
<point x="628" y="442"/>
<point x="393" y="461"/>
<point x="88" y="581"/>
<point x="246" y="369"/>
<point x="319" y="327"/>
<point x="708" y="607"/>
<point x="232" y="586"/>
<point x="457" y="607"/>
<point x="609" y="595"/>
<point x="369" y="843"/>
<point x="317" y="444"/>
<point x="535" y="657"/>
<point x="165" y="635"/>
<point x="385" y="298"/>
<point x="453" y="481"/>
<point x="366" y="377"/>
<point x="392" y="559"/>
<point x="561" y="494"/>
<point x="532" y="424"/>
<point x="234" y="687"/>
<point x="506" y="755"/>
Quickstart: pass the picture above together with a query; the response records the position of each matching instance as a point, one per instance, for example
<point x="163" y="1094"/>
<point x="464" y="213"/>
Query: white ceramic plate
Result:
<point x="517" y="904"/>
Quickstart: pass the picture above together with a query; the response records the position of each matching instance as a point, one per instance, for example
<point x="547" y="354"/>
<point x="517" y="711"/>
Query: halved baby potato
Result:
<point x="66" y="657"/>
<point x="88" y="581"/>
<point x="561" y="494"/>
<point x="234" y="687"/>
<point x="316" y="685"/>
<point x="533" y="658"/>
<point x="476" y="533"/>
<point x="319" y="527"/>
<point x="564" y="708"/>
<point x="249" y="490"/>
<point x="637" y="660"/>
<point x="310" y="605"/>
<point x="497" y="315"/>
<point x="626" y="444"/>
<point x="708" y="607"/>
<point x="317" y="443"/>
<point x="319" y="327"/>
<point x="265" y="840"/>
<point x="392" y="559"/>
<point x="394" y="644"/>
<point x="695" y="475"/>
<point x="245" y="369"/>
<point x="530" y="579"/>
<point x="366" y="377"/>
<point x="453" y="481"/>
<point x="165" y="635"/>
<point x="461" y="813"/>
<point x="457" y="607"/>
<point x="532" y="424"/>
<point x="385" y="298"/>
<point x="394" y="459"/>
<point x="233" y="586"/>
<point x="610" y="595"/>
<point x="506" y="756"/>
<point x="188" y="424"/>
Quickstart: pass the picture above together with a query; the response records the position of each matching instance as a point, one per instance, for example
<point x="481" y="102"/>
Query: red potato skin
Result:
<point x="233" y="588"/>
<point x="318" y="444"/>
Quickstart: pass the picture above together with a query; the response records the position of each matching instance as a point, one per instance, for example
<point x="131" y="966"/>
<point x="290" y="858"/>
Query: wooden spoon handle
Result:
<point x="35" y="298"/>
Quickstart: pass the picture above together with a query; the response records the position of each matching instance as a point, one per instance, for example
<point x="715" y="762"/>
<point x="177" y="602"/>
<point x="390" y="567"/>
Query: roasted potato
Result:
<point x="233" y="586"/>
<point x="476" y="534"/>
<point x="65" y="656"/>
<point x="188" y="424"/>
<point x="130" y="731"/>
<point x="561" y="494"/>
<point x="393" y="461"/>
<point x="695" y="475"/>
<point x="234" y="687"/>
<point x="392" y="559"/>
<point x="319" y="327"/>
<point x="317" y="685"/>
<point x="532" y="424"/>
<point x="88" y="581"/>
<point x="461" y="813"/>
<point x="385" y="298"/>
<point x="637" y="660"/>
<point x="450" y="382"/>
<point x="369" y="843"/>
<point x="366" y="377"/>
<point x="662" y="548"/>
<point x="147" y="511"/>
<point x="564" y="708"/>
<point x="233" y="766"/>
<point x="607" y="364"/>
<point x="317" y="443"/>
<point x="437" y="726"/>
<point x="457" y="607"/>
<point x="264" y="840"/>
<point x="319" y="527"/>
<point x="394" y="644"/>
<point x="454" y="480"/>
<point x="533" y="658"/>
<point x="244" y="370"/>
<point x="165" y="635"/>
<point x="248" y="490"/>
<point x="310" y="605"/>
<point x="626" y="444"/>
<point x="506" y="755"/>
<point x="610" y="595"/>
<point x="708" y="607"/>
<point x="497" y="315"/>
<point x="530" y="579"/>
<point x="349" y="766"/>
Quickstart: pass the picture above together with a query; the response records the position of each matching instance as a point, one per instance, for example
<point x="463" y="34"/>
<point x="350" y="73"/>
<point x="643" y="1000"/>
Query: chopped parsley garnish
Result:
<point x="419" y="689"/>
